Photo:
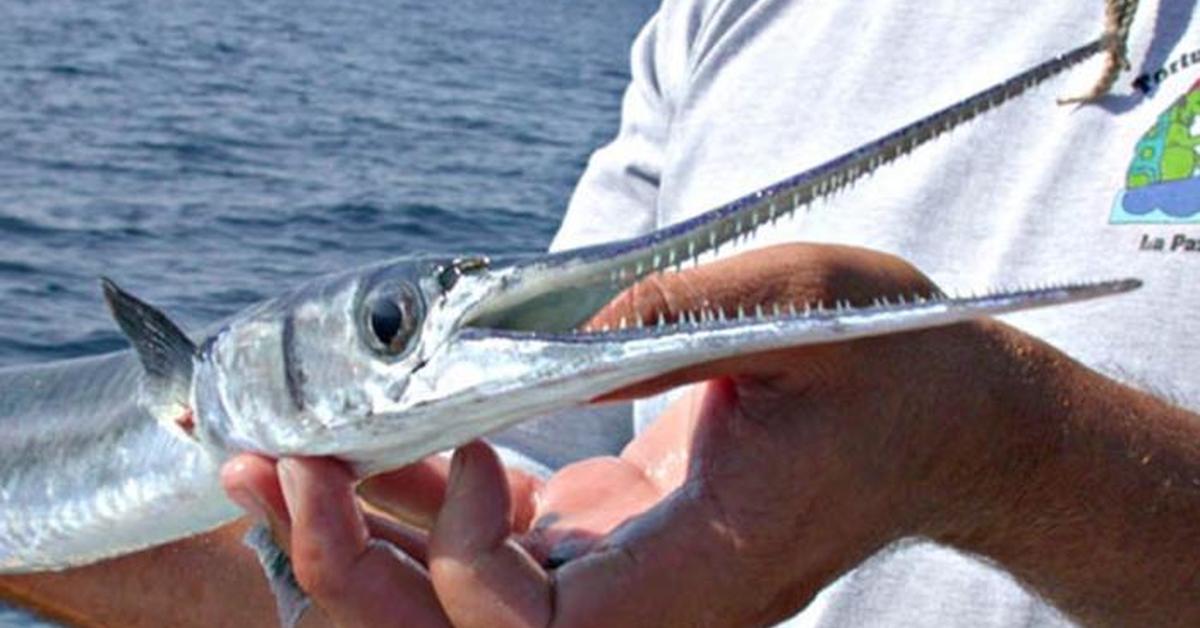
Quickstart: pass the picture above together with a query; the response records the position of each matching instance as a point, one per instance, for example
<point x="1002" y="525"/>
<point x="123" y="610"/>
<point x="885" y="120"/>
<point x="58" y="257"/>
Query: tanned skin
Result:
<point x="779" y="473"/>
<point x="210" y="580"/>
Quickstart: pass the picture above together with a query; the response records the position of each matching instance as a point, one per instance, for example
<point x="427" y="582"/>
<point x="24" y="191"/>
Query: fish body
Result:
<point x="86" y="470"/>
<point x="384" y="364"/>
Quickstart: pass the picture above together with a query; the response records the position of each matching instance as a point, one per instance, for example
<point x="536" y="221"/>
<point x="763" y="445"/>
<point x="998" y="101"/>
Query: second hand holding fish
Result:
<point x="751" y="493"/>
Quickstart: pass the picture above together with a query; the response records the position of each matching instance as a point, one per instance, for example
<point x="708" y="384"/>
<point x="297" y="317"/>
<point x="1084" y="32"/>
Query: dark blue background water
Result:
<point x="208" y="154"/>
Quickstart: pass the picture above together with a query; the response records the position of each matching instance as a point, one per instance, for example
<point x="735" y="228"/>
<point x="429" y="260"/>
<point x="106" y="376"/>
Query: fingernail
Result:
<point x="250" y="503"/>
<point x="457" y="462"/>
<point x="289" y="482"/>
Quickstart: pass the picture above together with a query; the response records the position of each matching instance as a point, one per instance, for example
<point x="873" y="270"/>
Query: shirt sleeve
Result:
<point x="617" y="195"/>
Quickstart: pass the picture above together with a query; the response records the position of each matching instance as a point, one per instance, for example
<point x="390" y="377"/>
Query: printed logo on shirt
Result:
<point x="1162" y="185"/>
<point x="1151" y="81"/>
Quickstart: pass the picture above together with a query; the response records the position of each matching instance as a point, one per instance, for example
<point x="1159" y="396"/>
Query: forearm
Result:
<point x="1098" y="505"/>
<point x="209" y="580"/>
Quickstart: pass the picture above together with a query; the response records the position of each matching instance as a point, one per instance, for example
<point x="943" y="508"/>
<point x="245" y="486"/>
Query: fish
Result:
<point x="387" y="363"/>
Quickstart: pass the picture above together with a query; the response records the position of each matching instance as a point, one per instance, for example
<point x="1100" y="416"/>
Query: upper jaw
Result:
<point x="555" y="294"/>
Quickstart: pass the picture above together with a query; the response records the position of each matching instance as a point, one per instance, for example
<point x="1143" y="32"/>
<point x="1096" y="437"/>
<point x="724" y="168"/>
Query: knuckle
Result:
<point x="645" y="299"/>
<point x="316" y="577"/>
<point x="654" y="295"/>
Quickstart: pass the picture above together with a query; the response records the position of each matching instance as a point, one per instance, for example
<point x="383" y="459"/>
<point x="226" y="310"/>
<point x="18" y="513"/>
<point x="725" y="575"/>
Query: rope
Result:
<point x="1118" y="19"/>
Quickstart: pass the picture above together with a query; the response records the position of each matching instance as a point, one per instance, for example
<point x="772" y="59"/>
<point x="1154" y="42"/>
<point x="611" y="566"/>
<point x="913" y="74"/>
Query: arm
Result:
<point x="1097" y="507"/>
<point x="209" y="580"/>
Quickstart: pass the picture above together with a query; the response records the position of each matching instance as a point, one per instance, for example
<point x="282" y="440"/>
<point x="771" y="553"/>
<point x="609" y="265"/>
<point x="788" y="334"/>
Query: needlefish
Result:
<point x="382" y="365"/>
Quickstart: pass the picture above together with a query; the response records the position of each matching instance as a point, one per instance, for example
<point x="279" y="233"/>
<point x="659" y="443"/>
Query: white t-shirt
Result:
<point x="730" y="95"/>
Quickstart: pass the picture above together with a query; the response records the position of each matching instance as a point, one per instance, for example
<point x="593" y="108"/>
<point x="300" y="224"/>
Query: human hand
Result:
<point x="742" y="501"/>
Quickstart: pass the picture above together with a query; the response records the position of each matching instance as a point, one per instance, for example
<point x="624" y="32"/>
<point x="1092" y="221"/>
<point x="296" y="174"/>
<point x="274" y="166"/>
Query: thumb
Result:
<point x="481" y="575"/>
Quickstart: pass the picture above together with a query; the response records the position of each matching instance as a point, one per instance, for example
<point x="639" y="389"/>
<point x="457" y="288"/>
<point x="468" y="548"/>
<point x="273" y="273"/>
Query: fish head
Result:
<point x="413" y="354"/>
<point x="324" y="357"/>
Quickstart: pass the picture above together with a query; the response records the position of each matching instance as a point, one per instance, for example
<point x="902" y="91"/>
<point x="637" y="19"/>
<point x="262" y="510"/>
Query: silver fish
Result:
<point x="385" y="364"/>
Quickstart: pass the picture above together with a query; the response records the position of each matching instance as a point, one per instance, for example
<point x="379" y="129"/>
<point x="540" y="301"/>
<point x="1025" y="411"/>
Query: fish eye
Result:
<point x="392" y="320"/>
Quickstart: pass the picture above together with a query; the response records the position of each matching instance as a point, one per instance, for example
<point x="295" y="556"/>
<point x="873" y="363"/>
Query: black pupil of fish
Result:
<point x="387" y="319"/>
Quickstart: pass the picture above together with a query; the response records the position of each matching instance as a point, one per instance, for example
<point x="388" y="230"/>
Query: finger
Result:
<point x="415" y="493"/>
<point x="356" y="580"/>
<point x="482" y="576"/>
<point x="411" y="540"/>
<point x="251" y="482"/>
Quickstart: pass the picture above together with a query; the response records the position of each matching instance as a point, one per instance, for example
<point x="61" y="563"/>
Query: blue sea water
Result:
<point x="210" y="154"/>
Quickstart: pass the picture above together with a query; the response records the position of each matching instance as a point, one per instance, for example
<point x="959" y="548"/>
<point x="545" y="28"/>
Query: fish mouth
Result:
<point x="555" y="295"/>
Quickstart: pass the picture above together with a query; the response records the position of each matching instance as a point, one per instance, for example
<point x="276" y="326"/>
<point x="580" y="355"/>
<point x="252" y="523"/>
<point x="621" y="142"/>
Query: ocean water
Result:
<point x="209" y="154"/>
